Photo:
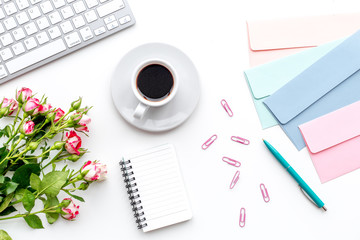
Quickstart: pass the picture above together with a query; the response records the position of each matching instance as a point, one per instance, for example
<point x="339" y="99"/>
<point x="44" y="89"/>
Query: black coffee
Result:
<point x="155" y="82"/>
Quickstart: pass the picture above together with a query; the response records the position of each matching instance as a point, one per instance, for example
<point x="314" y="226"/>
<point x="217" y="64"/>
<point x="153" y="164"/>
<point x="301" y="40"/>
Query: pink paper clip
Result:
<point x="235" y="179"/>
<point x="232" y="162"/>
<point x="209" y="142"/>
<point x="264" y="193"/>
<point x="242" y="217"/>
<point x="227" y="107"/>
<point x="240" y="140"/>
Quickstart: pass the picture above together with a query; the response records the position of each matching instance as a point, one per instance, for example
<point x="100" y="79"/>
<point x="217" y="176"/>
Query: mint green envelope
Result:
<point x="266" y="79"/>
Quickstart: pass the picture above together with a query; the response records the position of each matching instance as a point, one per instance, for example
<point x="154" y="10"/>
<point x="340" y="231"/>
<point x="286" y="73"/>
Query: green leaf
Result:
<point x="51" y="202"/>
<point x="22" y="174"/>
<point x="76" y="196"/>
<point x="2" y="179"/>
<point x="52" y="183"/>
<point x="4" y="235"/>
<point x="33" y="221"/>
<point x="3" y="153"/>
<point x="19" y="194"/>
<point x="28" y="200"/>
<point x="35" y="181"/>
<point x="10" y="187"/>
<point x="7" y="211"/>
<point x="6" y="202"/>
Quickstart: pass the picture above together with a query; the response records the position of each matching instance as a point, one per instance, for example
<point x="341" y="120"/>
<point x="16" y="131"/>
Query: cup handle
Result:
<point x="140" y="111"/>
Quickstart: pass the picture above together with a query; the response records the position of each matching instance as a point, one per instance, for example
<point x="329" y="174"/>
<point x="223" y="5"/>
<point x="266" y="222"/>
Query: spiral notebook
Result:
<point x="156" y="189"/>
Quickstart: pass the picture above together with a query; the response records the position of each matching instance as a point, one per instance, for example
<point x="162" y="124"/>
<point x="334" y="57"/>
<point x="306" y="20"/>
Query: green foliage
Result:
<point x="52" y="183"/>
<point x="4" y="235"/>
<point x="33" y="221"/>
<point x="22" y="174"/>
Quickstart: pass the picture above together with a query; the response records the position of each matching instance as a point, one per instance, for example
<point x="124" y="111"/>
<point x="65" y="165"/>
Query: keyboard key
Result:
<point x="79" y="7"/>
<point x="34" y="12"/>
<point x="18" y="34"/>
<point x="58" y="3"/>
<point x="102" y="1"/>
<point x="35" y="56"/>
<point x="3" y="72"/>
<point x="55" y="17"/>
<point x="22" y="18"/>
<point x="99" y="31"/>
<point x="112" y="25"/>
<point x="22" y="4"/>
<point x="72" y="39"/>
<point x="10" y="8"/>
<point x="46" y="7"/>
<point x="6" y="54"/>
<point x="91" y="3"/>
<point x="2" y="29"/>
<point x="125" y="19"/>
<point x="70" y="1"/>
<point x="79" y="21"/>
<point x="86" y="33"/>
<point x="109" y="19"/>
<point x="6" y="39"/>
<point x="42" y="38"/>
<point x="2" y="14"/>
<point x="67" y="12"/>
<point x="90" y="16"/>
<point x="30" y="28"/>
<point x="18" y="48"/>
<point x="35" y="1"/>
<point x="10" y="23"/>
<point x="54" y="32"/>
<point x="110" y="7"/>
<point x="42" y="23"/>
<point x="66" y="27"/>
<point x="30" y="43"/>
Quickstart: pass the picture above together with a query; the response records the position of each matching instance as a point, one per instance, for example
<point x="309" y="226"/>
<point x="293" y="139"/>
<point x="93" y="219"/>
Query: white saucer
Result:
<point x="174" y="113"/>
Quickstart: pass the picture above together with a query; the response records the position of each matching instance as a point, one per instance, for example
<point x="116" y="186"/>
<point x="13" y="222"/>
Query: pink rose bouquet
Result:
<point x="39" y="137"/>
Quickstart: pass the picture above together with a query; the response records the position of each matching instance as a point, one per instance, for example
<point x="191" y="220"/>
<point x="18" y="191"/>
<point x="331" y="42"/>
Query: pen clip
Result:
<point x="307" y="196"/>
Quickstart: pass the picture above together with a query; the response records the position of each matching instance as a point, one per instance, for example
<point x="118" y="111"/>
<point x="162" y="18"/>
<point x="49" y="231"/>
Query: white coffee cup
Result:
<point x="144" y="102"/>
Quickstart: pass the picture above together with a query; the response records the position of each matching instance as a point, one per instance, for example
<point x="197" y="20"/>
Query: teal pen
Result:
<point x="310" y="193"/>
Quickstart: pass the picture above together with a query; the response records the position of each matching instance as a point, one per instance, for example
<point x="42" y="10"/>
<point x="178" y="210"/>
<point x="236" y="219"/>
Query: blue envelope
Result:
<point x="329" y="84"/>
<point x="265" y="79"/>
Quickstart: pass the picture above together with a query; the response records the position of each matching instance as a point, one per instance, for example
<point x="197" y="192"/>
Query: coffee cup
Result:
<point x="154" y="84"/>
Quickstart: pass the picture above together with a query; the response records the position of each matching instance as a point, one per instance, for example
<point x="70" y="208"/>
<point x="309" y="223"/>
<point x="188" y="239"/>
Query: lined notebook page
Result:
<point x="160" y="186"/>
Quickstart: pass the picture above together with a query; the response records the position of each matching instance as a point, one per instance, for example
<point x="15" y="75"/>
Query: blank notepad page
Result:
<point x="160" y="193"/>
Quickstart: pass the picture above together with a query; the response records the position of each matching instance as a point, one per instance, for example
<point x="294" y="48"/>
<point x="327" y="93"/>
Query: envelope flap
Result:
<point x="275" y="34"/>
<point x="332" y="129"/>
<point x="300" y="32"/>
<point x="316" y="81"/>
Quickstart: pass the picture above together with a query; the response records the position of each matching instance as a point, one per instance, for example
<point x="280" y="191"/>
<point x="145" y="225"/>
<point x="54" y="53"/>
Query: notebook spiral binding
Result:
<point x="130" y="185"/>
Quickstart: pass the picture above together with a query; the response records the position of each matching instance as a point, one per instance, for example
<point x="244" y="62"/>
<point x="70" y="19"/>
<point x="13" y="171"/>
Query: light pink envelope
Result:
<point x="273" y="39"/>
<point x="333" y="141"/>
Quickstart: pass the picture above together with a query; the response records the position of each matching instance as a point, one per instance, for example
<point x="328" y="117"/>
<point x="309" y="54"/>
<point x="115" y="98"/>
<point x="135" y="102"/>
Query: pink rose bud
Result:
<point x="23" y="95"/>
<point x="70" y="211"/>
<point x="28" y="128"/>
<point x="44" y="109"/>
<point x="11" y="103"/>
<point x="31" y="107"/>
<point x="59" y="113"/>
<point x="83" y="123"/>
<point x="72" y="142"/>
<point x="95" y="171"/>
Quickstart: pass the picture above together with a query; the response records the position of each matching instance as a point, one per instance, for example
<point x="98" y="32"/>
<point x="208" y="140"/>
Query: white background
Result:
<point x="213" y="34"/>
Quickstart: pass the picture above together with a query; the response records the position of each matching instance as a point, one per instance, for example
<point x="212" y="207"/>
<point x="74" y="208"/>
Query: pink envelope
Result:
<point x="273" y="39"/>
<point x="333" y="141"/>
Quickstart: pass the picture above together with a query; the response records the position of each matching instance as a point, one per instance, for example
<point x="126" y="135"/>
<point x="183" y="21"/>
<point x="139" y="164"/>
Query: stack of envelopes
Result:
<point x="299" y="88"/>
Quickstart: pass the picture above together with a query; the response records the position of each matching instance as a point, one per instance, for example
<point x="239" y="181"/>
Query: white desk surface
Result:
<point x="213" y="34"/>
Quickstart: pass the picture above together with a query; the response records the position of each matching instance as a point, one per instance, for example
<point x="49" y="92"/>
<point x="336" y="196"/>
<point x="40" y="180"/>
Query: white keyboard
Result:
<point x="35" y="32"/>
